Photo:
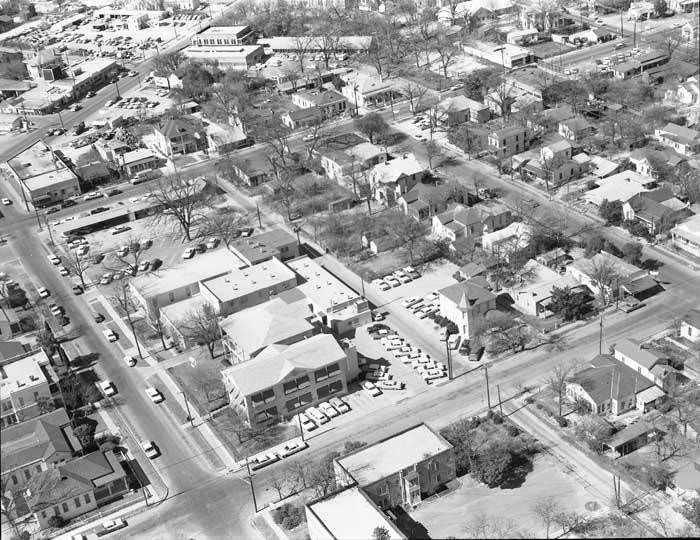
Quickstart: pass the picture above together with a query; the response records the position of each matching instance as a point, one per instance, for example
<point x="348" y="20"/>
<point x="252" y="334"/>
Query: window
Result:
<point x="38" y="468"/>
<point x="14" y="480"/>
<point x="300" y="401"/>
<point x="87" y="498"/>
<point x="27" y="474"/>
<point x="65" y="507"/>
<point x="76" y="501"/>
<point x="266" y="396"/>
<point x="328" y="371"/>
<point x="267" y="414"/>
<point x="383" y="489"/>
<point x="56" y="511"/>
<point x="43" y="514"/>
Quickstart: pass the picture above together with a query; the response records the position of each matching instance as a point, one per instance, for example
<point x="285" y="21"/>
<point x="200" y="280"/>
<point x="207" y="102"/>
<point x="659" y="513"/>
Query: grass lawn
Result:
<point x="239" y="439"/>
<point x="202" y="384"/>
<point x="456" y="513"/>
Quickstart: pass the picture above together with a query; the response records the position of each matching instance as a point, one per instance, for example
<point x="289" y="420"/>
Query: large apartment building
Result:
<point x="283" y="380"/>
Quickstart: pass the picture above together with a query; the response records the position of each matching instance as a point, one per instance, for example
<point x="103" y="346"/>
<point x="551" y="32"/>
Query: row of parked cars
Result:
<point x="313" y="417"/>
<point x="397" y="278"/>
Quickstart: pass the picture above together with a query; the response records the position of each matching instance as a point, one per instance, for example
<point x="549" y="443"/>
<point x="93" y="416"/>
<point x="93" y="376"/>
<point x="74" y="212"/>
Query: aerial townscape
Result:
<point x="349" y="269"/>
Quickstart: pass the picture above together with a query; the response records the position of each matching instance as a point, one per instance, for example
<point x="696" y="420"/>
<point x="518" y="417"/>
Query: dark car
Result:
<point x="156" y="263"/>
<point x="67" y="203"/>
<point x="53" y="210"/>
<point x="200" y="248"/>
<point x="113" y="192"/>
<point x="99" y="210"/>
<point x="97" y="316"/>
<point x="98" y="258"/>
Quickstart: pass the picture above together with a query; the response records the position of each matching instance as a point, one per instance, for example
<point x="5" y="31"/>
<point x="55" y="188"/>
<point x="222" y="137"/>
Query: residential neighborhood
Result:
<point x="349" y="270"/>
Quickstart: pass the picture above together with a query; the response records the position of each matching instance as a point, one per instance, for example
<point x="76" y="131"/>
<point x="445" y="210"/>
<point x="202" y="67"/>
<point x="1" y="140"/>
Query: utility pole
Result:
<point x="187" y="405"/>
<point x="257" y="207"/>
<point x="488" y="392"/>
<point x="600" y="337"/>
<point x="449" y="360"/>
<point x="500" y="403"/>
<point x="36" y="213"/>
<point x="48" y="227"/>
<point x="622" y="26"/>
<point x="60" y="119"/>
<point x="252" y="488"/>
<point x="301" y="429"/>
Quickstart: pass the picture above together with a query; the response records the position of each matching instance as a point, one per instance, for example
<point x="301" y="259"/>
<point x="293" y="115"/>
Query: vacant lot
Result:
<point x="508" y="510"/>
<point x="202" y="384"/>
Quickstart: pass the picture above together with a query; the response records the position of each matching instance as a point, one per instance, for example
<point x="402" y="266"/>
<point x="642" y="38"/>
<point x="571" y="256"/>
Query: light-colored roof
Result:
<point x="244" y="281"/>
<point x="268" y="323"/>
<point x="631" y="349"/>
<point x="391" y="171"/>
<point x="351" y="515"/>
<point x="623" y="268"/>
<point x="373" y="463"/>
<point x="602" y="167"/>
<point x="621" y="187"/>
<point x="278" y="362"/>
<point x="187" y="272"/>
<point x="23" y="374"/>
<point x="468" y="291"/>
<point x="540" y="281"/>
<point x="136" y="155"/>
<point x="320" y="286"/>
<point x="516" y="231"/>
<point x="365" y="151"/>
<point x="263" y="246"/>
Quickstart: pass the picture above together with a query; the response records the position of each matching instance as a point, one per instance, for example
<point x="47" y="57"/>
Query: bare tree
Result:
<point x="133" y="255"/>
<point x="181" y="200"/>
<point x="432" y="151"/>
<point x="9" y="508"/>
<point x="483" y="527"/>
<point x="301" y="471"/>
<point x="224" y="224"/>
<point x="231" y="98"/>
<point x="302" y="45"/>
<point x="122" y="299"/>
<point x="78" y="265"/>
<point x="202" y="326"/>
<point x="409" y="232"/>
<point x="328" y="40"/>
<point x="414" y="93"/>
<point x="557" y="380"/>
<point x="447" y="51"/>
<point x="604" y="275"/>
<point x="278" y="484"/>
<point x="546" y="509"/>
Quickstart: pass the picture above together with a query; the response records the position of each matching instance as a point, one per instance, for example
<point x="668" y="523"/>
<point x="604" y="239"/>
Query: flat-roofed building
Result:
<point x="686" y="235"/>
<point x="348" y="515"/>
<point x="41" y="176"/>
<point x="37" y="445"/>
<point x="231" y="56"/>
<point x="401" y="469"/>
<point x="216" y="36"/>
<point x="169" y="285"/>
<point x="241" y="288"/>
<point x="338" y="306"/>
<point x="25" y="387"/>
<point x="141" y="159"/>
<point x="329" y="102"/>
<point x="283" y="320"/>
<point x="264" y="246"/>
<point x="284" y="380"/>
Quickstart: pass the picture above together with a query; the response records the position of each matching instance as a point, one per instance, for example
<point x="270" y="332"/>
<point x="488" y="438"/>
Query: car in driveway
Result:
<point x="149" y="449"/>
<point x="155" y="395"/>
<point x="109" y="334"/>
<point x="63" y="271"/>
<point x="123" y="251"/>
<point x="339" y="405"/>
<point x="108" y="388"/>
<point x="130" y="360"/>
<point x="306" y="422"/>
<point x="55" y="259"/>
<point x="106" y="278"/>
<point x="82" y="250"/>
<point x="188" y="253"/>
<point x="371" y="388"/>
<point x="43" y="292"/>
<point x="328" y="409"/>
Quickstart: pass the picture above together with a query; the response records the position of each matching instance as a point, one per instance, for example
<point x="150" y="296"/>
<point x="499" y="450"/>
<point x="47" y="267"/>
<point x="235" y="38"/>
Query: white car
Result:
<point x="383" y="285"/>
<point x="263" y="460"/>
<point x="317" y="415"/>
<point x="130" y="361"/>
<point x="328" y="409"/>
<point x="155" y="395"/>
<point x="6" y="201"/>
<point x="306" y="422"/>
<point x="82" y="250"/>
<point x="212" y="243"/>
<point x="390" y="385"/>
<point x="92" y="195"/>
<point x="110" y="335"/>
<point x="63" y="270"/>
<point x="339" y="405"/>
<point x="188" y="253"/>
<point x="392" y="281"/>
<point x="55" y="259"/>
<point x="371" y="388"/>
<point x="113" y="525"/>
<point x="123" y="251"/>
<point x="43" y="292"/>
<point x="56" y="311"/>
<point x="106" y="278"/>
<point x="107" y="388"/>
<point x="408" y="302"/>
<point x="149" y="449"/>
<point x="293" y="448"/>
<point x="403" y="351"/>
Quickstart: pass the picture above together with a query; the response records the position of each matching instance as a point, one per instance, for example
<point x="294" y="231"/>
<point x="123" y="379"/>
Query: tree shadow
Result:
<point x="411" y="528"/>
<point x="516" y="475"/>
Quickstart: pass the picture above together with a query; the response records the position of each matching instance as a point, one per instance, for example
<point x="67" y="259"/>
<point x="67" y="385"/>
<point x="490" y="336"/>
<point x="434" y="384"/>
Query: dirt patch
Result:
<point x="202" y="384"/>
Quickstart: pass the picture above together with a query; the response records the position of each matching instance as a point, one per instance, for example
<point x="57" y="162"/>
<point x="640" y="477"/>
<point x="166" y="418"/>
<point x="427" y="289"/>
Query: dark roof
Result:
<point x="176" y="127"/>
<point x="693" y="318"/>
<point x="10" y="349"/>
<point x="630" y="433"/>
<point x="93" y="171"/>
<point x="649" y="207"/>
<point x="640" y="285"/>
<point x="303" y="114"/>
<point x="472" y="269"/>
<point x="599" y="384"/>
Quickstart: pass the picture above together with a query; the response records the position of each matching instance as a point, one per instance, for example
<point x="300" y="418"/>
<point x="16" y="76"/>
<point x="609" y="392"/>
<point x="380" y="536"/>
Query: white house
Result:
<point x="690" y="326"/>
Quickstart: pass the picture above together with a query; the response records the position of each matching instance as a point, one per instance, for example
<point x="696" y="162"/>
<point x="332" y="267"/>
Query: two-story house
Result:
<point x="645" y="160"/>
<point x="686" y="235"/>
<point x="461" y="109"/>
<point x="283" y="380"/>
<point x="343" y="164"/>
<point x="401" y="470"/>
<point x="647" y="363"/>
<point x="392" y="179"/>
<point x="508" y="141"/>
<point x="657" y="210"/>
<point x="177" y="136"/>
<point x="426" y="200"/>
<point x="26" y="388"/>
<point x="471" y="222"/>
<point x="690" y="326"/>
<point x="576" y="129"/>
<point x="465" y="303"/>
<point x="683" y="140"/>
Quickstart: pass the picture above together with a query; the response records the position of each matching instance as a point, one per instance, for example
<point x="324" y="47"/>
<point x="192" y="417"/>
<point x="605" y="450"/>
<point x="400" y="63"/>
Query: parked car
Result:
<point x="120" y="229"/>
<point x="111" y="525"/>
<point x="68" y="203"/>
<point x="52" y="210"/>
<point x="55" y="259"/>
<point x="106" y="278"/>
<point x="113" y="192"/>
<point x="63" y="271"/>
<point x="200" y="248"/>
<point x="92" y="195"/>
<point x="263" y="460"/>
<point x="149" y="449"/>
<point x="377" y="316"/>
<point x="188" y="253"/>
<point x="306" y="423"/>
<point x="156" y="263"/>
<point x="123" y="251"/>
<point x="56" y="310"/>
<point x="110" y="335"/>
<point x="155" y="395"/>
<point x="130" y="360"/>
<point x="97" y="317"/>
<point x="408" y="302"/>
<point x="143" y="266"/>
<point x="328" y="409"/>
<point x="6" y="201"/>
<point x="97" y="258"/>
<point x="339" y="404"/>
<point x="212" y="243"/>
<point x="108" y="388"/>
<point x="292" y="448"/>
<point x="317" y="415"/>
<point x="390" y="385"/>
<point x="43" y="292"/>
<point x="371" y="388"/>
<point x="77" y="289"/>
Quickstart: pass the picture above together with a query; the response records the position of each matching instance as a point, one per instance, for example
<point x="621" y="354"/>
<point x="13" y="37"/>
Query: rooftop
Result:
<point x="136" y="155"/>
<point x="323" y="98"/>
<point x="262" y="247"/>
<point x="692" y="318"/>
<point x="224" y="30"/>
<point x="621" y="267"/>
<point x="682" y="133"/>
<point x="380" y="460"/>
<point x="272" y="322"/>
<point x="278" y="362"/>
<point x="240" y="282"/>
<point x="319" y="285"/>
<point x="36" y="160"/>
<point x="391" y="171"/>
<point x="632" y="350"/>
<point x="606" y="376"/>
<point x="22" y="374"/>
<point x="351" y="515"/>
<point x="202" y="267"/>
<point x="467" y="292"/>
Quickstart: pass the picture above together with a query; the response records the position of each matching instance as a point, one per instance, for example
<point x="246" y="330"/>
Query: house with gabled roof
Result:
<point x="177" y="136"/>
<point x="392" y="179"/>
<point x="426" y="200"/>
<point x="471" y="222"/>
<point x="686" y="235"/>
<point x="465" y="303"/>
<point x="683" y="140"/>
<point x="657" y="210"/>
<point x="283" y="380"/>
<point x="690" y="326"/>
<point x="575" y="129"/>
<point x="647" y="363"/>
<point x="645" y="159"/>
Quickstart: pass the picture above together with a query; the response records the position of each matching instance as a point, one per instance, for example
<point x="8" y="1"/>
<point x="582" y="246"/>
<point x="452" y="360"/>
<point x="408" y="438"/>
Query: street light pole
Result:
<point x="187" y="405"/>
<point x="36" y="213"/>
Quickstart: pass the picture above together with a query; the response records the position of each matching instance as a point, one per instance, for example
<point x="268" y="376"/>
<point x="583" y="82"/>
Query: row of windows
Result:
<point x="334" y="387"/>
<point x="267" y="414"/>
<point x="298" y="402"/>
<point x="297" y="384"/>
<point x="66" y="508"/>
<point x="328" y="371"/>
<point x="266" y="396"/>
<point x="27" y="475"/>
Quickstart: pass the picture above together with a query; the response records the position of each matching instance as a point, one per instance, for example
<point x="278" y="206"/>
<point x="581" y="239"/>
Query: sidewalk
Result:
<point x="201" y="426"/>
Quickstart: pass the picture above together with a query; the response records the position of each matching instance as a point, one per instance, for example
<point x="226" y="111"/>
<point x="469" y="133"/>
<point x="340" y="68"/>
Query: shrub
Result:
<point x="658" y="476"/>
<point x="24" y="535"/>
<point x="512" y="430"/>
<point x="288" y="515"/>
<point x="529" y="400"/>
<point x="563" y="422"/>
<point x="290" y="522"/>
<point x="56" y="522"/>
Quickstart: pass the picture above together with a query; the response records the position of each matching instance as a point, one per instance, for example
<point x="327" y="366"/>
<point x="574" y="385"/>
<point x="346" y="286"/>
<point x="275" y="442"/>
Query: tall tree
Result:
<point x="225" y="224"/>
<point x="201" y="326"/>
<point x="557" y="379"/>
<point x="371" y="125"/>
<point x="183" y="201"/>
<point x="415" y="94"/>
<point x="78" y="265"/>
<point x="447" y="51"/>
<point x="165" y="64"/>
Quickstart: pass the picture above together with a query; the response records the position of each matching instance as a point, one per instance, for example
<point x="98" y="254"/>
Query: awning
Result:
<point x="650" y="395"/>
